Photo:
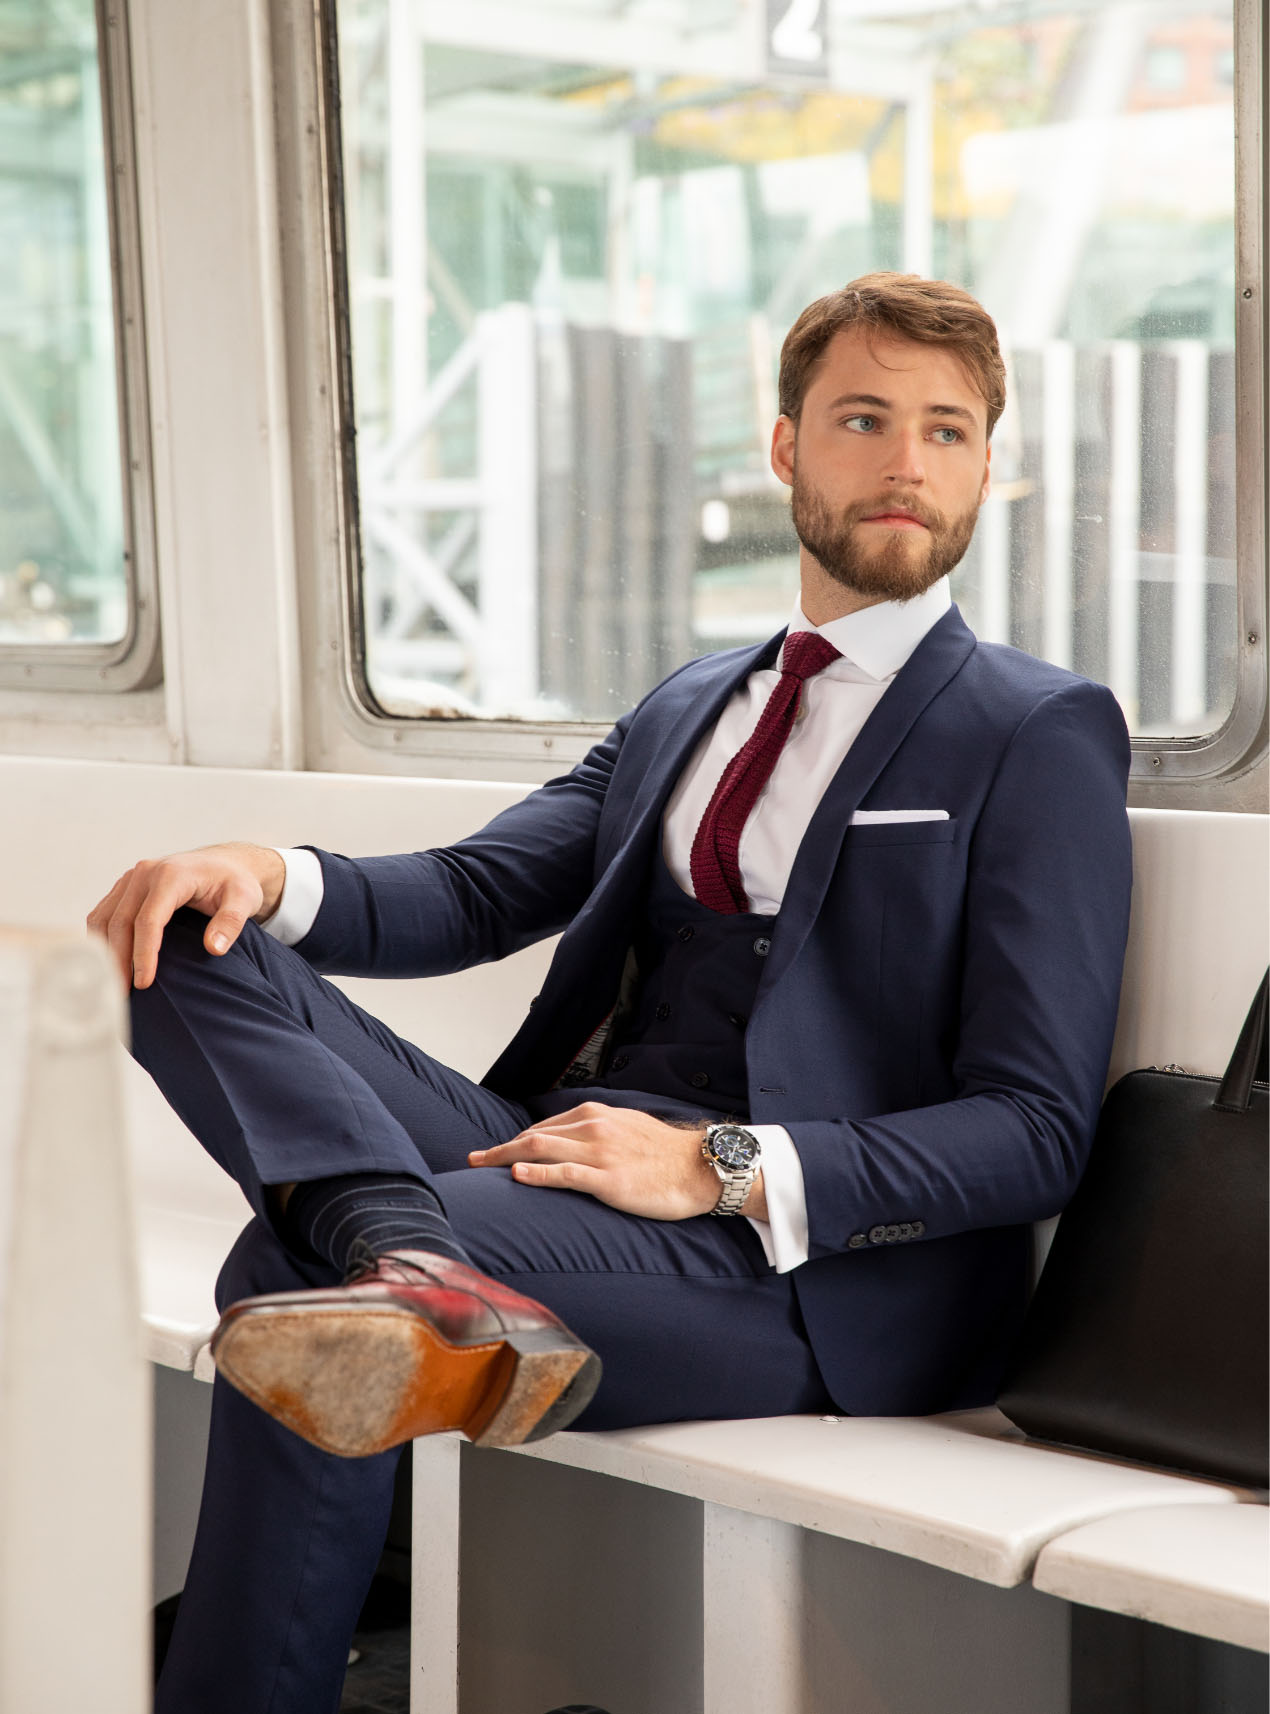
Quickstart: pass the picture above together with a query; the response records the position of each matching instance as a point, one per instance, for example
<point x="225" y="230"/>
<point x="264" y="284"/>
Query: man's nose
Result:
<point x="906" y="463"/>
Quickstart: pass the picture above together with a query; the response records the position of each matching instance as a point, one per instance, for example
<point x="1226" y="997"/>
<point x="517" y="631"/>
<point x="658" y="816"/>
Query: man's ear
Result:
<point x="987" y="475"/>
<point x="783" y="437"/>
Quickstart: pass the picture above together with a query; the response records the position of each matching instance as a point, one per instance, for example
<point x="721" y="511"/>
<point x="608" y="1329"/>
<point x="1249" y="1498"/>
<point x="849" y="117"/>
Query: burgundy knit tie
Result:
<point x="714" y="865"/>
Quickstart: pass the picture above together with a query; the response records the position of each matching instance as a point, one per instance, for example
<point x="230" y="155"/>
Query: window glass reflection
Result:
<point x="578" y="234"/>
<point x="62" y="564"/>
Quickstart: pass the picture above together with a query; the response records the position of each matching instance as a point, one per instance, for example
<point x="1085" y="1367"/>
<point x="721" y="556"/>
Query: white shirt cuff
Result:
<point x="783" y="1234"/>
<point x="301" y="896"/>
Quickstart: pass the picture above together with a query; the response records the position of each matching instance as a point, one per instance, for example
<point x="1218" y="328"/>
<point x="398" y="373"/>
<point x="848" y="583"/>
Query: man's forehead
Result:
<point x="871" y="360"/>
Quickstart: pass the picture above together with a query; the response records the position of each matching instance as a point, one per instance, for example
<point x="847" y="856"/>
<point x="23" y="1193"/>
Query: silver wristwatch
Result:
<point x="734" y="1153"/>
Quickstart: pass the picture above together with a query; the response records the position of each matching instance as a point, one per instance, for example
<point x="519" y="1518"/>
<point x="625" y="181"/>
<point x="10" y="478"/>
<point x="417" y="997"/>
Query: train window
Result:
<point x="76" y="599"/>
<point x="576" y="235"/>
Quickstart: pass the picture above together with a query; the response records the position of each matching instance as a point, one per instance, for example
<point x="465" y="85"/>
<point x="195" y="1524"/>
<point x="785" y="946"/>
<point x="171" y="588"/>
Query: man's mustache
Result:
<point x="934" y="520"/>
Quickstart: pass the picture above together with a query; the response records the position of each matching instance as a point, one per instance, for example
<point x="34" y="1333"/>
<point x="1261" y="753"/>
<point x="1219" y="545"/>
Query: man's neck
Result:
<point x="823" y="598"/>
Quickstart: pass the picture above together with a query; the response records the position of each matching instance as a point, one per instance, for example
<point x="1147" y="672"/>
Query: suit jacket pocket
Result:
<point x="900" y="833"/>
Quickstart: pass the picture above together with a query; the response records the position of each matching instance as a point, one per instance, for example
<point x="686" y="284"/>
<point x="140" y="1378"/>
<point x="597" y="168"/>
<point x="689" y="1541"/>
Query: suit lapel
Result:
<point x="583" y="981"/>
<point x="933" y="663"/>
<point x="688" y="707"/>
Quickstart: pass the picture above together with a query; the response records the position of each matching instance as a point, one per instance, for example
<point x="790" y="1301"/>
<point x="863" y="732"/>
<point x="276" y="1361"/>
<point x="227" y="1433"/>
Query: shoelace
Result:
<point x="363" y="1261"/>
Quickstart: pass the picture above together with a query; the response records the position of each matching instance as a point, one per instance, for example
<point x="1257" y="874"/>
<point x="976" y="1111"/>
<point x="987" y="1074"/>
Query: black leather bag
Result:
<point x="1147" y="1336"/>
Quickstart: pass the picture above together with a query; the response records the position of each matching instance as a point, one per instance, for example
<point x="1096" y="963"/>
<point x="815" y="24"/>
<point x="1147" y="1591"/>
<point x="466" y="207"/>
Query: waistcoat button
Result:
<point x="621" y="1062"/>
<point x="699" y="1080"/>
<point x="685" y="931"/>
<point x="662" y="1012"/>
<point x="736" y="1019"/>
<point x="762" y="946"/>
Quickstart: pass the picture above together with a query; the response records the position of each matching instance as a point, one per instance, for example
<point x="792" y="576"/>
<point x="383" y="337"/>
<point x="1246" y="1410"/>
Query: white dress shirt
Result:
<point x="873" y="645"/>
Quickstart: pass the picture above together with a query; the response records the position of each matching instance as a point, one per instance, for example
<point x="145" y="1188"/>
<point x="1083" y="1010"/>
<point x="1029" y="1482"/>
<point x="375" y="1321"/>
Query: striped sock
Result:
<point x="379" y="1210"/>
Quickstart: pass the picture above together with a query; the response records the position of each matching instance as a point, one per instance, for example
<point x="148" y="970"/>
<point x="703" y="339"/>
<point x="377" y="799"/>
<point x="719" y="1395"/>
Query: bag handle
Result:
<point x="1251" y="1058"/>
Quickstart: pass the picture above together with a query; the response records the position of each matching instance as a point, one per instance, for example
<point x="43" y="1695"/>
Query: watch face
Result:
<point x="733" y="1147"/>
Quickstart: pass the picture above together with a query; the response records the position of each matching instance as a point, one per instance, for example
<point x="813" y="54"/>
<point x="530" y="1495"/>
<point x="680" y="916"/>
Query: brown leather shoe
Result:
<point x="410" y="1344"/>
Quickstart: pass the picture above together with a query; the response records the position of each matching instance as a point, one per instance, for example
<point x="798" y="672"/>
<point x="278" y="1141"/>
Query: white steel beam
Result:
<point x="994" y="570"/>
<point x="507" y="461"/>
<point x="572" y="38"/>
<point x="1190" y="527"/>
<point x="1058" y="465"/>
<point x="406" y="212"/>
<point x="1124" y="525"/>
<point x="919" y="171"/>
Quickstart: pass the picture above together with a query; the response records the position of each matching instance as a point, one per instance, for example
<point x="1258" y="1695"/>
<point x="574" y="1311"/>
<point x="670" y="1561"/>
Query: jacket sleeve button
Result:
<point x="919" y="1226"/>
<point x="877" y="1234"/>
<point x="856" y="1241"/>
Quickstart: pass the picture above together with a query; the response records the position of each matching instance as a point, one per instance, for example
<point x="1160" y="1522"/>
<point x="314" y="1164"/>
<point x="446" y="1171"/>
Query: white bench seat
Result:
<point x="1204" y="1569"/>
<point x="181" y="1254"/>
<point x="964" y="1491"/>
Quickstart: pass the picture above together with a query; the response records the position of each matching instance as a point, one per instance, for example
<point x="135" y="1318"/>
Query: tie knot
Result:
<point x="806" y="653"/>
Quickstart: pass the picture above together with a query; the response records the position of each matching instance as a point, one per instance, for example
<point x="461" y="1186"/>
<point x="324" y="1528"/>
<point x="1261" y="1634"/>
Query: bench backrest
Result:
<point x="1196" y="952"/>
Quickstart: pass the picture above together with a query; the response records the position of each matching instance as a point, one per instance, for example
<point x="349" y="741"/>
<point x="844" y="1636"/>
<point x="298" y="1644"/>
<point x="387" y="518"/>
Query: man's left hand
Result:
<point x="625" y="1158"/>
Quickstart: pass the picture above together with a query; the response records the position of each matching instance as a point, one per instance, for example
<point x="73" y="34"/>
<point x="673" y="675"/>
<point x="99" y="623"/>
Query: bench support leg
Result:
<point x="434" y="1600"/>
<point x="752" y="1613"/>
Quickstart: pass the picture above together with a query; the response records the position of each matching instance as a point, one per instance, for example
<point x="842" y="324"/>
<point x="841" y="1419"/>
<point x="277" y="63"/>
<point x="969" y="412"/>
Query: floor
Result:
<point x="378" y="1680"/>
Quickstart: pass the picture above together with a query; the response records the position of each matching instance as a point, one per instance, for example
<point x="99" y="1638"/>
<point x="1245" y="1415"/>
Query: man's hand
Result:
<point x="628" y="1159"/>
<point x="228" y="883"/>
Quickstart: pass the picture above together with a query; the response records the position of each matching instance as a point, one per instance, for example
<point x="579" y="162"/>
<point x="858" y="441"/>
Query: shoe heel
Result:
<point x="553" y="1380"/>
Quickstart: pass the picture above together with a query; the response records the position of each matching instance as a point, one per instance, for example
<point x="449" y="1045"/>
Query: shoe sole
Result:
<point x="358" y="1380"/>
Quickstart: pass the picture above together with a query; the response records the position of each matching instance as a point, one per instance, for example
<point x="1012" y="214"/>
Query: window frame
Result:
<point x="133" y="662"/>
<point x="1223" y="770"/>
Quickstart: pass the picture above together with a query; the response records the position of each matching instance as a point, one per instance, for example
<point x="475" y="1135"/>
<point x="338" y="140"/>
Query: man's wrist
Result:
<point x="271" y="872"/>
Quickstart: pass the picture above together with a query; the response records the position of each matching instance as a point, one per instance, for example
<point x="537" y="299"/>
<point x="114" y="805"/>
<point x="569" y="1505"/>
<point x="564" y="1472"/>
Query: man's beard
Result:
<point x="892" y="571"/>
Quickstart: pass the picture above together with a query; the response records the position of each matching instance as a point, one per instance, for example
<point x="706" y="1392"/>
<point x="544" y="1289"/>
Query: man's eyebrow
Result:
<point x="885" y="405"/>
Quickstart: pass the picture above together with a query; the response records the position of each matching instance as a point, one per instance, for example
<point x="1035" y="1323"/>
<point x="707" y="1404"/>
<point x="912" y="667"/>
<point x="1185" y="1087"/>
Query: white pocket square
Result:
<point x="872" y="817"/>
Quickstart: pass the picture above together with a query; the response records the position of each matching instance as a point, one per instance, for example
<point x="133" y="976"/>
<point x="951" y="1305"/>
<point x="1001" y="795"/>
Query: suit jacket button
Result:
<point x="699" y="1080"/>
<point x="662" y="1013"/>
<point x="685" y="931"/>
<point x="877" y="1234"/>
<point x="621" y="1062"/>
<point x="919" y="1226"/>
<point x="762" y="946"/>
<point x="856" y="1241"/>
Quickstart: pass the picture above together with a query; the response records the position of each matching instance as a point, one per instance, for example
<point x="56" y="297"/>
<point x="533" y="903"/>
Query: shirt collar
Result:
<point x="879" y="639"/>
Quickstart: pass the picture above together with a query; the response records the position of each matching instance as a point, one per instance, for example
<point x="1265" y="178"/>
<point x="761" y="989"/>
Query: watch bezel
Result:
<point x="728" y="1168"/>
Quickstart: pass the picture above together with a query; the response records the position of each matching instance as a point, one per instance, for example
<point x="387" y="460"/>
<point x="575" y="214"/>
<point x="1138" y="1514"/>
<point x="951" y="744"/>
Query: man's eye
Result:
<point x="954" y="434"/>
<point x="865" y="424"/>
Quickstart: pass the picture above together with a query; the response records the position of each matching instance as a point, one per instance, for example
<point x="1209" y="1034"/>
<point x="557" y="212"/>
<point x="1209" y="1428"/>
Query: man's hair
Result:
<point x="905" y="306"/>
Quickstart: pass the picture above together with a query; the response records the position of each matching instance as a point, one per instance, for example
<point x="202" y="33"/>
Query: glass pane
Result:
<point x="579" y="233"/>
<point x="62" y="569"/>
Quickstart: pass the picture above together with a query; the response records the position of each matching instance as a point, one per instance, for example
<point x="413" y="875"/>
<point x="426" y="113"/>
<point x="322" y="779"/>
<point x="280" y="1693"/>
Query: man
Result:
<point x="843" y="922"/>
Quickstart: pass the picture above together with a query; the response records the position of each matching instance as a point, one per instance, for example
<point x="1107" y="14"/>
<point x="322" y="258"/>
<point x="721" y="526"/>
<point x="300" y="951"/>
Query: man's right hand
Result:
<point x="228" y="883"/>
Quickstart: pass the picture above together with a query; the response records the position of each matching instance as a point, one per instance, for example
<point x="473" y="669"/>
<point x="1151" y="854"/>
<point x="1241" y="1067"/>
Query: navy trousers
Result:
<point x="283" y="1079"/>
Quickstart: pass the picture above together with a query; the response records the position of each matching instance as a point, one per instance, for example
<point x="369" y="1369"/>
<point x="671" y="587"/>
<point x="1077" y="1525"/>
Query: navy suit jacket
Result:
<point x="935" y="1017"/>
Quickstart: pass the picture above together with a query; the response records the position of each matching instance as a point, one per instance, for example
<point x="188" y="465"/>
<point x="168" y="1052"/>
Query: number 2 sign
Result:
<point x="796" y="37"/>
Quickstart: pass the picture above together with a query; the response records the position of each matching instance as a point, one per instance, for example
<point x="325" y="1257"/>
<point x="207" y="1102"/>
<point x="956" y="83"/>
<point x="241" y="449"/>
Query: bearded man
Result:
<point x="843" y="920"/>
